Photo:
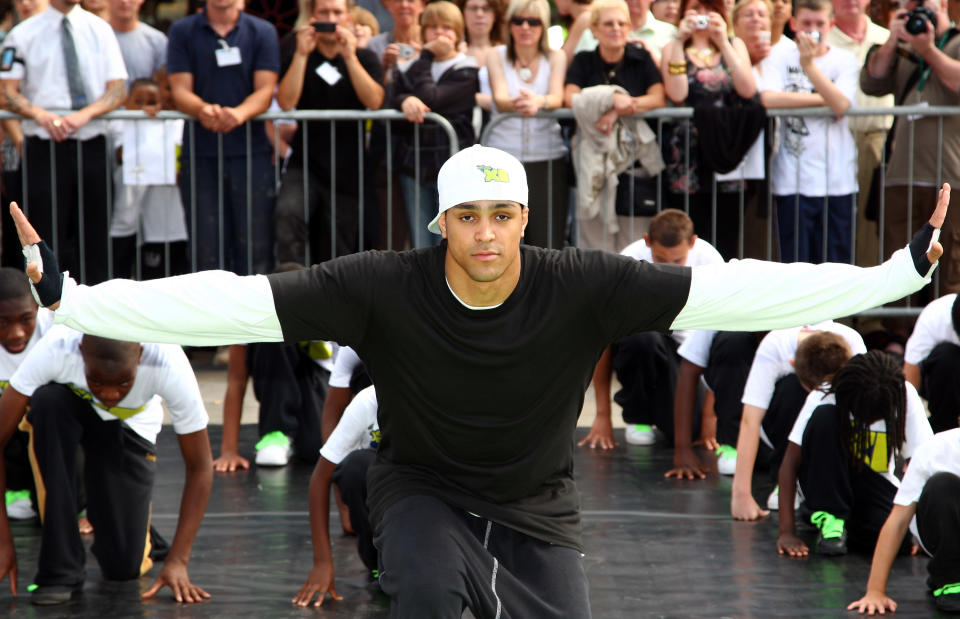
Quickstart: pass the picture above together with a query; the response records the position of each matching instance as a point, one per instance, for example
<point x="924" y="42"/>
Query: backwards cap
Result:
<point x="479" y="173"/>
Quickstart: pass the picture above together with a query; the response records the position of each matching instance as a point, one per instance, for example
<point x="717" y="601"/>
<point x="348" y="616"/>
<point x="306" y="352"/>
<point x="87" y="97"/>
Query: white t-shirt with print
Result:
<point x="940" y="454"/>
<point x="916" y="431"/>
<point x="777" y="349"/>
<point x="934" y="326"/>
<point x="343" y="366"/>
<point x="164" y="372"/>
<point x="823" y="147"/>
<point x="357" y="429"/>
<point x="701" y="253"/>
<point x="9" y="362"/>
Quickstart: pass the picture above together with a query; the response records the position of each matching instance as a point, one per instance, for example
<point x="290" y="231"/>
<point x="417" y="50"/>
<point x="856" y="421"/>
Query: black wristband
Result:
<point x="50" y="286"/>
<point x="919" y="245"/>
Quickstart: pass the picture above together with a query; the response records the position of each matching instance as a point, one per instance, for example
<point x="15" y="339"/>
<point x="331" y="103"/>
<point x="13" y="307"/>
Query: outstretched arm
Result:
<point x="686" y="465"/>
<point x="237" y="375"/>
<point x="601" y="431"/>
<point x="321" y="578"/>
<point x="753" y="295"/>
<point x="195" y="448"/>
<point x="788" y="543"/>
<point x="891" y="536"/>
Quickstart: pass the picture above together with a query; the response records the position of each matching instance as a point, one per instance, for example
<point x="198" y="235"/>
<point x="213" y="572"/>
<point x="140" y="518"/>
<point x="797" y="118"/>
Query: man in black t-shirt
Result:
<point x="476" y="346"/>
<point x="324" y="71"/>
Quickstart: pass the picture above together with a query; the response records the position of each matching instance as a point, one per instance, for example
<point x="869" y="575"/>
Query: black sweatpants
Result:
<point x="938" y="520"/>
<point x="66" y="200"/>
<point x="831" y="483"/>
<point x="731" y="355"/>
<point x="788" y="398"/>
<point x="436" y="560"/>
<point x="940" y="385"/>
<point x="291" y="389"/>
<point x="646" y="365"/>
<point x="351" y="477"/>
<point x="16" y="457"/>
<point x="119" y="467"/>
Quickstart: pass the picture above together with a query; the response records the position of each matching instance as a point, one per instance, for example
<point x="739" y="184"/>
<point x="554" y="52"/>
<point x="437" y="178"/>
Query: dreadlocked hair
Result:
<point x="870" y="388"/>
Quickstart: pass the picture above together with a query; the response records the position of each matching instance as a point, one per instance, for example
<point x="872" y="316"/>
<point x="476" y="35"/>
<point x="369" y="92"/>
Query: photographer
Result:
<point x="920" y="64"/>
<point x="324" y="70"/>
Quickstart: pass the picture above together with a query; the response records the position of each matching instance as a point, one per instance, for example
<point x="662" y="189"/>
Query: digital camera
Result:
<point x="701" y="22"/>
<point x="815" y="35"/>
<point x="918" y="18"/>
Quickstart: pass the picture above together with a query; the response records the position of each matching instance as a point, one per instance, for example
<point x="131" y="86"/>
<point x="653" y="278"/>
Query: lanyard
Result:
<point x="926" y="68"/>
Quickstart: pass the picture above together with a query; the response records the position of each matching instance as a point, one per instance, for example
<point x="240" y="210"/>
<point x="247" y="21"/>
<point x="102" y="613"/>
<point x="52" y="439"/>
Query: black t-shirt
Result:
<point x="636" y="71"/>
<point x="318" y="94"/>
<point x="478" y="407"/>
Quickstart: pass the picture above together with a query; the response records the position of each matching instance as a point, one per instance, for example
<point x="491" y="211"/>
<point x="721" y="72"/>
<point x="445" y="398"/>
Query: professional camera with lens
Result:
<point x="918" y="18"/>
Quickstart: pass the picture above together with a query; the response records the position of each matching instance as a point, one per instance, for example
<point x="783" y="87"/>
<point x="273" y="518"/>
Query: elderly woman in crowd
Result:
<point x="526" y="76"/>
<point x="704" y="67"/>
<point x="616" y="63"/>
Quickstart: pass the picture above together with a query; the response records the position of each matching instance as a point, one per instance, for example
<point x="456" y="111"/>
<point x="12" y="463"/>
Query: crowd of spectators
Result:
<point x="255" y="194"/>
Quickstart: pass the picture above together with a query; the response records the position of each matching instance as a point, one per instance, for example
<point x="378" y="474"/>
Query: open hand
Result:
<point x="230" y="461"/>
<point x="319" y="583"/>
<point x="686" y="465"/>
<point x="792" y="546"/>
<point x="873" y="602"/>
<point x="174" y="575"/>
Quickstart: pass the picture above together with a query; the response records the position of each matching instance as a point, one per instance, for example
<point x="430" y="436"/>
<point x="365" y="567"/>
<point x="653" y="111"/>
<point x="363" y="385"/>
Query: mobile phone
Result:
<point x="324" y="26"/>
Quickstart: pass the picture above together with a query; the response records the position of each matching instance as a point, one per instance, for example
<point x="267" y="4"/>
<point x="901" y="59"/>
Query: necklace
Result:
<point x="524" y="72"/>
<point x="704" y="55"/>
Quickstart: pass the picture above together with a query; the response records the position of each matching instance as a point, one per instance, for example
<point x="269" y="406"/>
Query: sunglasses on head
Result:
<point x="533" y="22"/>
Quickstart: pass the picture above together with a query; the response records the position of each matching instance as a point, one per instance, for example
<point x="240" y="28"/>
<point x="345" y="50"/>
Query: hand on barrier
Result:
<point x="43" y="269"/>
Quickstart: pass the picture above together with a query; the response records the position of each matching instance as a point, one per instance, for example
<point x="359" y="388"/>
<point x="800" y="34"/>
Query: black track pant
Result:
<point x="941" y="387"/>
<point x="785" y="405"/>
<point x="938" y="520"/>
<point x="119" y="467"/>
<point x="291" y="389"/>
<point x="731" y="355"/>
<point x="436" y="560"/>
<point x="830" y="483"/>
<point x="351" y="477"/>
<point x="646" y="365"/>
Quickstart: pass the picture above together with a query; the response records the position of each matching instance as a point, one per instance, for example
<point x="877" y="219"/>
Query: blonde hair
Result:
<point x="743" y="4"/>
<point x="363" y="17"/>
<point x="541" y="10"/>
<point x="599" y="6"/>
<point x="443" y="12"/>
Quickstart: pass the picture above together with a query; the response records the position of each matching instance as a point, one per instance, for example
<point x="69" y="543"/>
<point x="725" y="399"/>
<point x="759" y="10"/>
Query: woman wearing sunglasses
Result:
<point x="526" y="76"/>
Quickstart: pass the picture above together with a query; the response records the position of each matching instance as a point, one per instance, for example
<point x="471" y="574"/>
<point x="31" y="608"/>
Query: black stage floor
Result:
<point x="655" y="548"/>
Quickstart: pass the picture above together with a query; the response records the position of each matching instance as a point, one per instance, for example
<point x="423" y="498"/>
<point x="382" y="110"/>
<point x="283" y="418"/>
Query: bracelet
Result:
<point x="677" y="68"/>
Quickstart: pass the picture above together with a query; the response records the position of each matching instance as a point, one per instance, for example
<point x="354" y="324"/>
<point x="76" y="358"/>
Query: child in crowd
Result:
<point x="927" y="505"/>
<point x="365" y="25"/>
<point x="932" y="358"/>
<point x="814" y="173"/>
<point x="646" y="363"/>
<point x="290" y="382"/>
<point x="772" y="398"/>
<point x="723" y="359"/>
<point x="22" y="324"/>
<point x="843" y="450"/>
<point x="104" y="396"/>
<point x="146" y="197"/>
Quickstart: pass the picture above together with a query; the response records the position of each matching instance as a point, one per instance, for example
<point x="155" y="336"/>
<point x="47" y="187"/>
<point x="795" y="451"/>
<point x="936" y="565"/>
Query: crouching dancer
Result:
<point x="102" y="396"/>
<point x="475" y="346"/>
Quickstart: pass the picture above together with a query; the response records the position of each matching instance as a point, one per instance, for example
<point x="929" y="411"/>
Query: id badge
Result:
<point x="329" y="73"/>
<point x="228" y="56"/>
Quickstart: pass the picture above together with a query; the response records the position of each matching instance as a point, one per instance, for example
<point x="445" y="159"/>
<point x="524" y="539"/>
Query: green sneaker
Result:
<point x="640" y="434"/>
<point x="273" y="449"/>
<point x="726" y="459"/>
<point x="947" y="598"/>
<point x="832" y="540"/>
<point x="19" y="506"/>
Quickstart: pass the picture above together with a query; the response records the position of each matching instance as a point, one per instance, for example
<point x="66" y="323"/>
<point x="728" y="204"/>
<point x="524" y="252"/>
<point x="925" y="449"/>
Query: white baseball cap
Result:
<point x="479" y="173"/>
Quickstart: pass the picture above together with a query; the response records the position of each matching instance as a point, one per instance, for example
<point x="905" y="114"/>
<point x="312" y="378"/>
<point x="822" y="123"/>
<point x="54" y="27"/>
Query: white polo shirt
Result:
<point x="357" y="429"/>
<point x="934" y="326"/>
<point x="9" y="362"/>
<point x="940" y="454"/>
<point x="41" y="68"/>
<point x="164" y="372"/>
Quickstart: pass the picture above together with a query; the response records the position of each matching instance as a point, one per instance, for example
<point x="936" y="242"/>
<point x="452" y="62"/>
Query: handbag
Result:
<point x="645" y="194"/>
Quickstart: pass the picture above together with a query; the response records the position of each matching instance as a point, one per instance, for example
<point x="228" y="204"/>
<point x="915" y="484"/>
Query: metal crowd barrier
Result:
<point x="388" y="237"/>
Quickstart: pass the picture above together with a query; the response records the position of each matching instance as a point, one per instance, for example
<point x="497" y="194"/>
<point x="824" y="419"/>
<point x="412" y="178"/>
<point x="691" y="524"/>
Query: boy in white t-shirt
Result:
<point x="104" y="396"/>
<point x="772" y="398"/>
<point x="927" y="505"/>
<point x="814" y="173"/>
<point x="848" y="497"/>
<point x="646" y="363"/>
<point x="344" y="459"/>
<point x="22" y="325"/>
<point x="931" y="360"/>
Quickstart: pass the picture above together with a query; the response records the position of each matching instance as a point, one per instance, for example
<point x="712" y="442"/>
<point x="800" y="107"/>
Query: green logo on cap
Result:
<point x="496" y="175"/>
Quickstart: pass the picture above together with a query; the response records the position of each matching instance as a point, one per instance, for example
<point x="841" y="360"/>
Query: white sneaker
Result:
<point x="773" y="501"/>
<point x="273" y="450"/>
<point x="640" y="434"/>
<point x="726" y="460"/>
<point x="19" y="506"/>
